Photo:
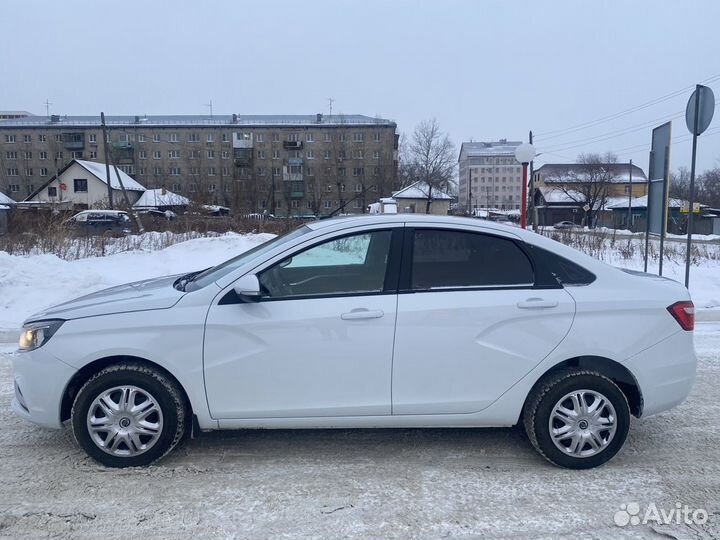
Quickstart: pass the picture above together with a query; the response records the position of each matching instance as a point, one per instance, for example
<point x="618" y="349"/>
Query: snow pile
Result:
<point x="30" y="284"/>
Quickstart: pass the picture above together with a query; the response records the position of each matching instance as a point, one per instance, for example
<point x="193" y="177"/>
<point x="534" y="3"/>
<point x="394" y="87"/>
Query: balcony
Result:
<point x="292" y="177"/>
<point x="295" y="161"/>
<point x="122" y="144"/>
<point x="123" y="155"/>
<point x="241" y="140"/>
<point x="292" y="145"/>
<point x="295" y="194"/>
<point x="73" y="141"/>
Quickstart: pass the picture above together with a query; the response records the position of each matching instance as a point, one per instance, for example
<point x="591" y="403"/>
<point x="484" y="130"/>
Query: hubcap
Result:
<point x="582" y="423"/>
<point x="125" y="421"/>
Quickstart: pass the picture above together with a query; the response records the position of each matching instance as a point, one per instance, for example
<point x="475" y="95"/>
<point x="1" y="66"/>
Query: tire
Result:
<point x="587" y="439"/>
<point x="137" y="415"/>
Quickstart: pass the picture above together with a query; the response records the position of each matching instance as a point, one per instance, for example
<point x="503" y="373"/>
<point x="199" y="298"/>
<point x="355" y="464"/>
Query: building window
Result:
<point x="194" y="171"/>
<point x="276" y="171"/>
<point x="156" y="138"/>
<point x="276" y="137"/>
<point x="227" y="187"/>
<point x="52" y="192"/>
<point x="156" y="154"/>
<point x="341" y="137"/>
<point x="173" y="137"/>
<point x="211" y="154"/>
<point x="259" y="137"/>
<point x="261" y="154"/>
<point x="310" y="154"/>
<point x="194" y="154"/>
<point x="294" y="204"/>
<point x="310" y="171"/>
<point x="211" y="171"/>
<point x="13" y="188"/>
<point x="193" y="137"/>
<point x="142" y="154"/>
<point x="292" y="137"/>
<point x="341" y="171"/>
<point x="327" y="204"/>
<point x="12" y="172"/>
<point x="43" y="171"/>
<point x="358" y="171"/>
<point x="92" y="138"/>
<point x="176" y="187"/>
<point x="225" y="154"/>
<point x="93" y="154"/>
<point x="76" y="154"/>
<point x="9" y="138"/>
<point x="376" y="137"/>
<point x="376" y="154"/>
<point x="58" y="155"/>
<point x="28" y="171"/>
<point x="358" y="137"/>
<point x="27" y="138"/>
<point x="141" y="138"/>
<point x="174" y="171"/>
<point x="157" y="171"/>
<point x="309" y="137"/>
<point x="329" y="188"/>
<point x="327" y="137"/>
<point x="226" y="171"/>
<point x="342" y="188"/>
<point x="357" y="204"/>
<point x="276" y="154"/>
<point x="58" y="138"/>
<point x="143" y="171"/>
<point x="328" y="154"/>
<point x="261" y="171"/>
<point x="80" y="185"/>
<point x="358" y="154"/>
<point x="193" y="188"/>
<point x="358" y="188"/>
<point x="225" y="138"/>
<point x="42" y="138"/>
<point x="174" y="154"/>
<point x="211" y="187"/>
<point x="11" y="155"/>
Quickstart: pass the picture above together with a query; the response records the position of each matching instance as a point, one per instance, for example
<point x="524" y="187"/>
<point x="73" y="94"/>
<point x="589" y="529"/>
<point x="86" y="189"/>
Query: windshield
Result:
<point x="216" y="272"/>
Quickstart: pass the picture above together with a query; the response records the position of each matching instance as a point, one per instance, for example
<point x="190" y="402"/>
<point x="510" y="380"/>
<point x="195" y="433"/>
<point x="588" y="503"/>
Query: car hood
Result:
<point x="156" y="293"/>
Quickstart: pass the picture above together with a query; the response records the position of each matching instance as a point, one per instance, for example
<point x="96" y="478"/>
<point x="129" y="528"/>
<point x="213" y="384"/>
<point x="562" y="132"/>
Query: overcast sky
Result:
<point x="485" y="70"/>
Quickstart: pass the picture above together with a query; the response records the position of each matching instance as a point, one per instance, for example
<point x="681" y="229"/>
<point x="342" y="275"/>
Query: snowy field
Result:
<point x="364" y="484"/>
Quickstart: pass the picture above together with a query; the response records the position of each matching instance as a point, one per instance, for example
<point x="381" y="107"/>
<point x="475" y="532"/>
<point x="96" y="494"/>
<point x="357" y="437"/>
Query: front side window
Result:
<point x="80" y="185"/>
<point x="349" y="265"/>
<point x="447" y="259"/>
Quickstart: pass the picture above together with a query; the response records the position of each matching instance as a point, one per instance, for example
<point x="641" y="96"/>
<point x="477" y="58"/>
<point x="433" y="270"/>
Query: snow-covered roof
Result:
<point x="503" y="147"/>
<point x="561" y="196"/>
<point x="98" y="169"/>
<point x="153" y="198"/>
<point x="421" y="190"/>
<point x="578" y="172"/>
<point x="7" y="201"/>
<point x="641" y="202"/>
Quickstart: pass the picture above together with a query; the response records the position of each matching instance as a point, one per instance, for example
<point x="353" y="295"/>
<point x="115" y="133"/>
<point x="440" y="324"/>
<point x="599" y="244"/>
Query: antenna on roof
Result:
<point x="210" y="106"/>
<point x="47" y="107"/>
<point x="331" y="101"/>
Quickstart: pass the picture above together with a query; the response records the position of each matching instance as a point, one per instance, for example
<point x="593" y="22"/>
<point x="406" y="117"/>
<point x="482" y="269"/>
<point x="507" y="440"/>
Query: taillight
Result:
<point x="684" y="313"/>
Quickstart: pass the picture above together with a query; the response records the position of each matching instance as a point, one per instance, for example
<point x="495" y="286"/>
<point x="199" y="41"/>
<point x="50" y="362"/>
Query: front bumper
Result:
<point x="665" y="372"/>
<point x="40" y="380"/>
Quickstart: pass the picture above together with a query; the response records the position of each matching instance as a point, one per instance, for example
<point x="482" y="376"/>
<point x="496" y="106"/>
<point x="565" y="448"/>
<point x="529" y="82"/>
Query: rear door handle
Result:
<point x="362" y="313"/>
<point x="537" y="303"/>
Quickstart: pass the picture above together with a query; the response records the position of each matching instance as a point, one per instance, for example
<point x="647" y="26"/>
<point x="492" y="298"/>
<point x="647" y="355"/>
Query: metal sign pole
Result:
<point x="663" y="221"/>
<point x="647" y="212"/>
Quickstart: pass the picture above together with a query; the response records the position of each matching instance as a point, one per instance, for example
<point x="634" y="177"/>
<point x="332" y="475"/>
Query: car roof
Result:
<point x="370" y="219"/>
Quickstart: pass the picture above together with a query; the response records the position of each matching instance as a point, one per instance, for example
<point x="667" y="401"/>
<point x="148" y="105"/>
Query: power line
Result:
<point x="585" y="125"/>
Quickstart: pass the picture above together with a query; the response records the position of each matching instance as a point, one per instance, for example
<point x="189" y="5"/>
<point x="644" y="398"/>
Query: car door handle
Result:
<point x="537" y="303"/>
<point x="362" y="313"/>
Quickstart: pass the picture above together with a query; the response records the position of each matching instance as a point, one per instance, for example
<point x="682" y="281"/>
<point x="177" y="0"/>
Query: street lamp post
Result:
<point x="524" y="154"/>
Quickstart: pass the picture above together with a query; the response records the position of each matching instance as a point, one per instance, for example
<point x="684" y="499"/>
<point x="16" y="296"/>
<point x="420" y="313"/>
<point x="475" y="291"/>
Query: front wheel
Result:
<point x="128" y="415"/>
<point x="577" y="419"/>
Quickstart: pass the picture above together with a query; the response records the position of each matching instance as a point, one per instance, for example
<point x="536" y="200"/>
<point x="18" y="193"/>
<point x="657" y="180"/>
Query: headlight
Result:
<point x="37" y="334"/>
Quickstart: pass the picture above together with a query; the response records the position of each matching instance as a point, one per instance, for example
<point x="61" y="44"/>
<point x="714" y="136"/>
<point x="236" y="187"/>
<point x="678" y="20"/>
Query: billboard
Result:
<point x="659" y="180"/>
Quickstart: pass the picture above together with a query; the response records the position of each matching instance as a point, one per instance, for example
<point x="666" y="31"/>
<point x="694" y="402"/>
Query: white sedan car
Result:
<point x="373" y="321"/>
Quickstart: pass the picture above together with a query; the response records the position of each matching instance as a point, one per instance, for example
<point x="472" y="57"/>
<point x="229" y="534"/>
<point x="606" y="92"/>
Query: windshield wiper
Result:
<point x="182" y="282"/>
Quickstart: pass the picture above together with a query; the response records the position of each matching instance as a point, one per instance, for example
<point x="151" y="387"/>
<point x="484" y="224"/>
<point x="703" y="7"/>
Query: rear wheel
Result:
<point x="577" y="419"/>
<point x="128" y="415"/>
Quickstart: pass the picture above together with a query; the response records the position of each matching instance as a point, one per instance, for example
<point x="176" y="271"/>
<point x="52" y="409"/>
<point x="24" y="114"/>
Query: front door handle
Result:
<point x="537" y="303"/>
<point x="362" y="313"/>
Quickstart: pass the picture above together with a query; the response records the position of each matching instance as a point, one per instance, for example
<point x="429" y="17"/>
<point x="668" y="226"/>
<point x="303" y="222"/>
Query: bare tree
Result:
<point x="680" y="184"/>
<point x="589" y="182"/>
<point x="431" y="158"/>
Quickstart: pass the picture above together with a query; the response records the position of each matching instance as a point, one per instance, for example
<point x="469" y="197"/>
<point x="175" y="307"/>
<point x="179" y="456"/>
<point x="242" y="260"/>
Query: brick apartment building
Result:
<point x="280" y="164"/>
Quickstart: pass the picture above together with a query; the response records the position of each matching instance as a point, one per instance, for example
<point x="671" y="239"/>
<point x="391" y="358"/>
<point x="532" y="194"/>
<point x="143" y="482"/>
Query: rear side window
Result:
<point x="565" y="271"/>
<point x="449" y="259"/>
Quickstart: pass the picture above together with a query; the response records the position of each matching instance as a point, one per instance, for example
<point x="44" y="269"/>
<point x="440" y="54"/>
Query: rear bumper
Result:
<point x="665" y="372"/>
<point x="40" y="380"/>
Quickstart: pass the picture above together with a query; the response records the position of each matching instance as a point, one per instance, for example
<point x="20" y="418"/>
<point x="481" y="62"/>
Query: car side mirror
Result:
<point x="248" y="288"/>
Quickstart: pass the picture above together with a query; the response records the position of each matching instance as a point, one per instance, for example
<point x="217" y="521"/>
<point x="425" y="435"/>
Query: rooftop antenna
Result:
<point x="331" y="101"/>
<point x="210" y="106"/>
<point x="47" y="107"/>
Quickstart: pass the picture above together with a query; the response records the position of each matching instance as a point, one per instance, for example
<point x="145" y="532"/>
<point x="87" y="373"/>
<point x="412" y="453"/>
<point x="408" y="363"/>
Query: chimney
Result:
<point x="137" y="119"/>
<point x="234" y="120"/>
<point x="318" y="118"/>
<point x="54" y="118"/>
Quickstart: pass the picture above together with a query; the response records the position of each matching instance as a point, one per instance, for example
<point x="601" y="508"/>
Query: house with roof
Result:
<point x="414" y="199"/>
<point x="84" y="184"/>
<point x="6" y="204"/>
<point x="161" y="199"/>
<point x="568" y="191"/>
<point x="704" y="222"/>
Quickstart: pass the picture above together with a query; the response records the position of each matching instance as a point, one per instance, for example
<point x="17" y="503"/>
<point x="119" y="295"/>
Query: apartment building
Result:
<point x="489" y="176"/>
<point x="279" y="164"/>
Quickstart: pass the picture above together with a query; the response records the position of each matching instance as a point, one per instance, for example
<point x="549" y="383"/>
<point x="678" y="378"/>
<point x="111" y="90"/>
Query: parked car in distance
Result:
<point x="101" y="222"/>
<point x="404" y="320"/>
<point x="565" y="225"/>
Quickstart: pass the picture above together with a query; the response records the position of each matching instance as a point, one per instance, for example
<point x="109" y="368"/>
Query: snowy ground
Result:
<point x="366" y="484"/>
